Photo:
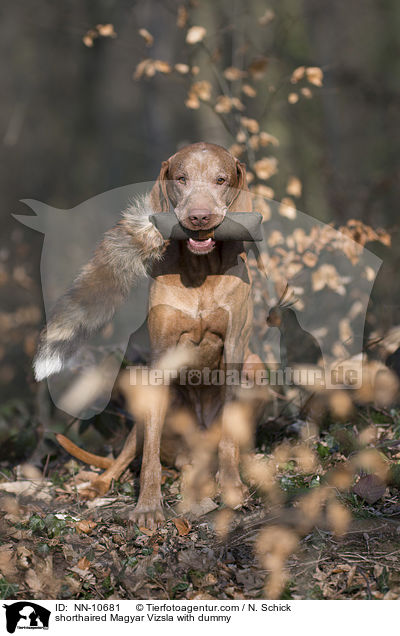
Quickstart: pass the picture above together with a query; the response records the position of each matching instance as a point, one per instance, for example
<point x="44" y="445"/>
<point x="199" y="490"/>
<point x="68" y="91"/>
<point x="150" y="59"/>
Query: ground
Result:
<point x="55" y="545"/>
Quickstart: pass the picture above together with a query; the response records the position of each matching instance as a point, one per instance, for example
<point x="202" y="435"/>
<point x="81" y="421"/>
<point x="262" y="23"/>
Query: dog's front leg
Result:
<point x="148" y="511"/>
<point x="233" y="490"/>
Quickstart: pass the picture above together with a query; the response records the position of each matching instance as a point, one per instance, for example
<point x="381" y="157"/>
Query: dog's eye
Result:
<point x="220" y="180"/>
<point x="182" y="180"/>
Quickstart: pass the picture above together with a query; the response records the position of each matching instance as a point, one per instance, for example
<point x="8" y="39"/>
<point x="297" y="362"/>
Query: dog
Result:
<point x="200" y="301"/>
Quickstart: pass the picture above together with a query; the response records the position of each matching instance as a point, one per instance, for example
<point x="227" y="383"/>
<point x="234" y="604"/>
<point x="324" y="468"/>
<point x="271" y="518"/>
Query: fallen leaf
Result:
<point x="182" y="525"/>
<point x="370" y="487"/>
<point x="146" y="531"/>
<point x="83" y="564"/>
<point x="85" y="526"/>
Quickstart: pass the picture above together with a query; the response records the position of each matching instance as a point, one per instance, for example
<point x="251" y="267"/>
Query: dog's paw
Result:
<point x="97" y="488"/>
<point x="147" y="516"/>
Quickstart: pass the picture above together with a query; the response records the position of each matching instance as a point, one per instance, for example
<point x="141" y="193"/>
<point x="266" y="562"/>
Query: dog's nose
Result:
<point x="199" y="217"/>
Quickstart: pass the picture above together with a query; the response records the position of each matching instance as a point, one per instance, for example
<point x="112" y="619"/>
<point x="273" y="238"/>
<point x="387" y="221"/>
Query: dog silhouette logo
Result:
<point x="318" y="323"/>
<point x="26" y="615"/>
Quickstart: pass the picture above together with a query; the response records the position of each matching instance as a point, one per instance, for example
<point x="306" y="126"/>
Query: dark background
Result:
<point x="75" y="123"/>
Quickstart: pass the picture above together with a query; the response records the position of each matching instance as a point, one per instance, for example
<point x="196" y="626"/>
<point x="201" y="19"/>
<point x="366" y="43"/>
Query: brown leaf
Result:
<point x="146" y="531"/>
<point x="85" y="526"/>
<point x="202" y="89"/>
<point x="306" y="92"/>
<point x="146" y="35"/>
<point x="298" y="74"/>
<point x="314" y="75"/>
<point x="249" y="90"/>
<point x="195" y="34"/>
<point x="252" y="125"/>
<point x="267" y="17"/>
<point x="182" y="68"/>
<point x="293" y="98"/>
<point x="182" y="525"/>
<point x="232" y="73"/>
<point x="181" y="18"/>
<point x="257" y="67"/>
<point x="370" y="487"/>
<point x="294" y="187"/>
<point x="83" y="563"/>
<point x="106" y="30"/>
<point x="266" y="167"/>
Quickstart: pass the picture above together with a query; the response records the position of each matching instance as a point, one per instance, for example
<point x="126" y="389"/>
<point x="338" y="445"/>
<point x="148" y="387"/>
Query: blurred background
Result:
<point x="96" y="93"/>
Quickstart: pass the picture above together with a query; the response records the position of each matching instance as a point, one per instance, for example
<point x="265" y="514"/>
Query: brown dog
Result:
<point x="200" y="300"/>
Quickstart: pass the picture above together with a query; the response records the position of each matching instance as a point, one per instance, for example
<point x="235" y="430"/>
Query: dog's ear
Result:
<point x="159" y="196"/>
<point x="242" y="200"/>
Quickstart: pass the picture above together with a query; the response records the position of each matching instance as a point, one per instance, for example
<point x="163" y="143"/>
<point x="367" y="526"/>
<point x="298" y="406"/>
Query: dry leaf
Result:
<point x="106" y="30"/>
<point x="202" y="90"/>
<point x="83" y="564"/>
<point x="370" y="487"/>
<point x="293" y="98"/>
<point x="266" y="139"/>
<point x="249" y="90"/>
<point x="257" y="67"/>
<point x="182" y="68"/>
<point x="306" y="92"/>
<point x="338" y="517"/>
<point x="85" y="526"/>
<point x="146" y="531"/>
<point x="195" y="34"/>
<point x="314" y="75"/>
<point x="192" y="101"/>
<point x="287" y="208"/>
<point x="182" y="16"/>
<point x="182" y="525"/>
<point x="341" y="404"/>
<point x="223" y="104"/>
<point x="310" y="259"/>
<point x="236" y="150"/>
<point x="267" y="17"/>
<point x="146" y="35"/>
<point x="149" y="67"/>
<point x="266" y="167"/>
<point x="294" y="187"/>
<point x="252" y="125"/>
<point x="298" y="74"/>
<point x="232" y="73"/>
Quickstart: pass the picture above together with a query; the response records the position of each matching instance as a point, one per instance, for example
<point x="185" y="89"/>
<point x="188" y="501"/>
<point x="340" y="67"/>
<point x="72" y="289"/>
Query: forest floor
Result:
<point x="55" y="545"/>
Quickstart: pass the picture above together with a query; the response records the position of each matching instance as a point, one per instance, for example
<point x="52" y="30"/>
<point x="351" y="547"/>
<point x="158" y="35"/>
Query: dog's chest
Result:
<point x="203" y="316"/>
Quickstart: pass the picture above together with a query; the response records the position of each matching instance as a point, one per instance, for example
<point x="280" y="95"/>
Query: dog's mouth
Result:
<point x="201" y="246"/>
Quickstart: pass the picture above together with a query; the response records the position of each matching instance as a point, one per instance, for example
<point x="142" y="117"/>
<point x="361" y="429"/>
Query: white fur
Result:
<point x="45" y="366"/>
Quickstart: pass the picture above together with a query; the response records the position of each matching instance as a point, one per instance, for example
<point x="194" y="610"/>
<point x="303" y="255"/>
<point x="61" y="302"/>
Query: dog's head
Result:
<point x="202" y="182"/>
